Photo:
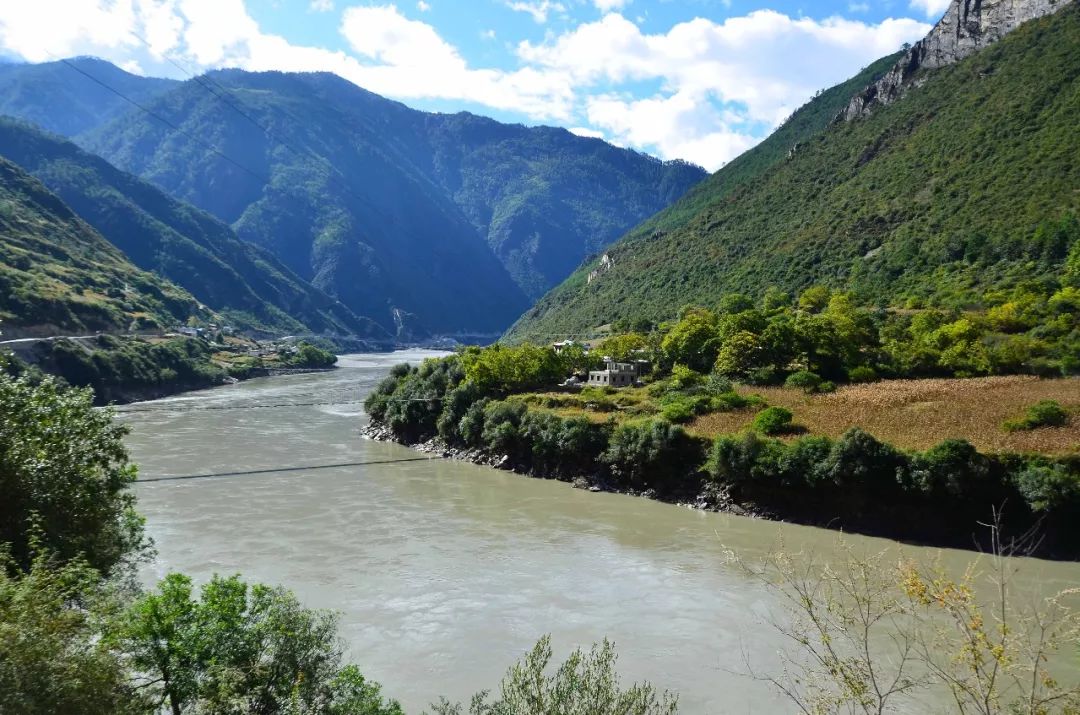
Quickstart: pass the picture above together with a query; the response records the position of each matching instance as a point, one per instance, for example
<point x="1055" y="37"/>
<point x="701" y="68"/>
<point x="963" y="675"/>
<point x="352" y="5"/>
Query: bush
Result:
<point x="502" y="421"/>
<point x="860" y="464"/>
<point x="1049" y="487"/>
<point x="804" y="380"/>
<point x="585" y="683"/>
<point x="953" y="469"/>
<point x="1045" y="413"/>
<point x="773" y="420"/>
<point x="652" y="455"/>
<point x="862" y="373"/>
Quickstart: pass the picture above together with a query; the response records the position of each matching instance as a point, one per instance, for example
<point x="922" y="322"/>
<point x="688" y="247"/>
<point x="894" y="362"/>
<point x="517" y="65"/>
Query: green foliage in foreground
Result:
<point x="585" y="684"/>
<point x="239" y="648"/>
<point x="1045" y="413"/>
<point x="64" y="476"/>
<point x="857" y="479"/>
<point x="52" y="656"/>
<point x="964" y="187"/>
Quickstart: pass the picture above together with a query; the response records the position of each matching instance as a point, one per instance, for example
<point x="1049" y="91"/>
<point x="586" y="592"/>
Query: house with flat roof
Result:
<point x="618" y="374"/>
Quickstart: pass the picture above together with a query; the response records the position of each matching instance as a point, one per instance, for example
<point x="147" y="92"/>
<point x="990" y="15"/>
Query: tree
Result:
<point x="623" y="348"/>
<point x="693" y="341"/>
<point x="870" y="632"/>
<point x="51" y="657"/>
<point x="586" y="684"/>
<point x="63" y="466"/>
<point x="240" y="648"/>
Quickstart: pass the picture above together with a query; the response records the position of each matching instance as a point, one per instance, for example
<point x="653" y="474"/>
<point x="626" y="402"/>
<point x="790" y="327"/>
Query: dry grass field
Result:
<point x="917" y="414"/>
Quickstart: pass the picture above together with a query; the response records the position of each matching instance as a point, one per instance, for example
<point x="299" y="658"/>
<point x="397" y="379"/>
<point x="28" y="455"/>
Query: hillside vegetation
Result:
<point x="961" y="190"/>
<point x="56" y="271"/>
<point x="249" y="287"/>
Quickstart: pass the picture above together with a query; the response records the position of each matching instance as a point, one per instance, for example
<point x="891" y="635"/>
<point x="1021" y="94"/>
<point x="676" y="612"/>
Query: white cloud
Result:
<point x="487" y="34"/>
<point x="719" y="82"/>
<point x="932" y="9"/>
<point x="539" y="9"/>
<point x="423" y="6"/>
<point x="610" y="5"/>
<point x="715" y="87"/>
<point x="858" y="7"/>
<point x="321" y="5"/>
<point x="586" y="132"/>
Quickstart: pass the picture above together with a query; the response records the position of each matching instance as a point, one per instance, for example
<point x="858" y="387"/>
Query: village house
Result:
<point x="619" y="374"/>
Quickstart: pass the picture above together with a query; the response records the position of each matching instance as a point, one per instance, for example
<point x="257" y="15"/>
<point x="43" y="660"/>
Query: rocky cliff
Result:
<point x="968" y="25"/>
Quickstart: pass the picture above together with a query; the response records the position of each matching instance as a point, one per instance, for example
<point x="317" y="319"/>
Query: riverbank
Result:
<point x="121" y="370"/>
<point x="699" y="493"/>
<point x="943" y="495"/>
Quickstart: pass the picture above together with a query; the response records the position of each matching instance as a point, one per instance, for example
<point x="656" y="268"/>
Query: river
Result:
<point x="445" y="573"/>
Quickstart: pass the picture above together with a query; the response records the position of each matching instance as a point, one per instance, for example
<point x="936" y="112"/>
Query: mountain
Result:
<point x="72" y="96"/>
<point x="427" y="222"/>
<point x="544" y="198"/>
<point x="58" y="274"/>
<point x="249" y="287"/>
<point x="956" y="189"/>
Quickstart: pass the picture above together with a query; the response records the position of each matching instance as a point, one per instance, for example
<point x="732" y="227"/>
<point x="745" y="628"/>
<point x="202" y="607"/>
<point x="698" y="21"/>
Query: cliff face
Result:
<point x="967" y="26"/>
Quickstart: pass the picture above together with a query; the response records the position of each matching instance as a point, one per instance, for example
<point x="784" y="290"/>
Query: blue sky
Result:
<point x="701" y="80"/>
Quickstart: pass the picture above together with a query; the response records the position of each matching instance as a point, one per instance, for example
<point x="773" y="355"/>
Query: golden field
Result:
<point x="917" y="414"/>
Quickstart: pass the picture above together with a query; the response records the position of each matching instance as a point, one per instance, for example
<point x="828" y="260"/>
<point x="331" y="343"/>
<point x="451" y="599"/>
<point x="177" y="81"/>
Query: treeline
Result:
<point x="467" y="400"/>
<point x="1033" y="329"/>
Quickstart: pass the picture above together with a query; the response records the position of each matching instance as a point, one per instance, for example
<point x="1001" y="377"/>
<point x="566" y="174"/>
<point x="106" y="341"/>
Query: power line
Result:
<point x="164" y="121"/>
<point x="276" y="470"/>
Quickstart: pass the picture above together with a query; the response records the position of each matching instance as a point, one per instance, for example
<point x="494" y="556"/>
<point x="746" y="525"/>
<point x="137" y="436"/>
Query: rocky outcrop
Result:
<point x="967" y="27"/>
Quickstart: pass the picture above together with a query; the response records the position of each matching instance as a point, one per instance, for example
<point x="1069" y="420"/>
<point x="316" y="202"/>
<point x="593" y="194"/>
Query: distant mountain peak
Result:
<point x="966" y="27"/>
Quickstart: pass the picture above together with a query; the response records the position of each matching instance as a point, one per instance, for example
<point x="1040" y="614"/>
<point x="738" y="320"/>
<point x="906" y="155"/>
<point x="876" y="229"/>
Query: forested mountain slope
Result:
<point x="960" y="187"/>
<point x="179" y="242"/>
<point x="57" y="273"/>
<point x="64" y="97"/>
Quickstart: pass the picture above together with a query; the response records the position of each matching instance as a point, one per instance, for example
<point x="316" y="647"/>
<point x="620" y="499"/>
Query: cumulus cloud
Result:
<point x="714" y="87"/>
<point x="720" y="81"/>
<point x="931" y="8"/>
<point x="610" y="5"/>
<point x="539" y="9"/>
<point x="321" y="5"/>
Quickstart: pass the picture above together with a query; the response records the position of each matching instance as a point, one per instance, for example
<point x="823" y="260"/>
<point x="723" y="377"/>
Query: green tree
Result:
<point x="63" y="465"/>
<point x="586" y="684"/>
<point x="51" y="658"/>
<point x="693" y="341"/>
<point x="241" y="649"/>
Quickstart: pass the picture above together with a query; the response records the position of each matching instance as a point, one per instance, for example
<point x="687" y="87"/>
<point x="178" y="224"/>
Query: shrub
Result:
<point x="585" y="683"/>
<point x="471" y="427"/>
<point x="1048" y="487"/>
<point x="502" y="421"/>
<point x="1045" y="413"/>
<point x="804" y="380"/>
<point x="717" y="384"/>
<point x="654" y="454"/>
<point x="953" y="468"/>
<point x="826" y="387"/>
<point x="773" y="420"/>
<point x="858" y="463"/>
<point x="862" y="373"/>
